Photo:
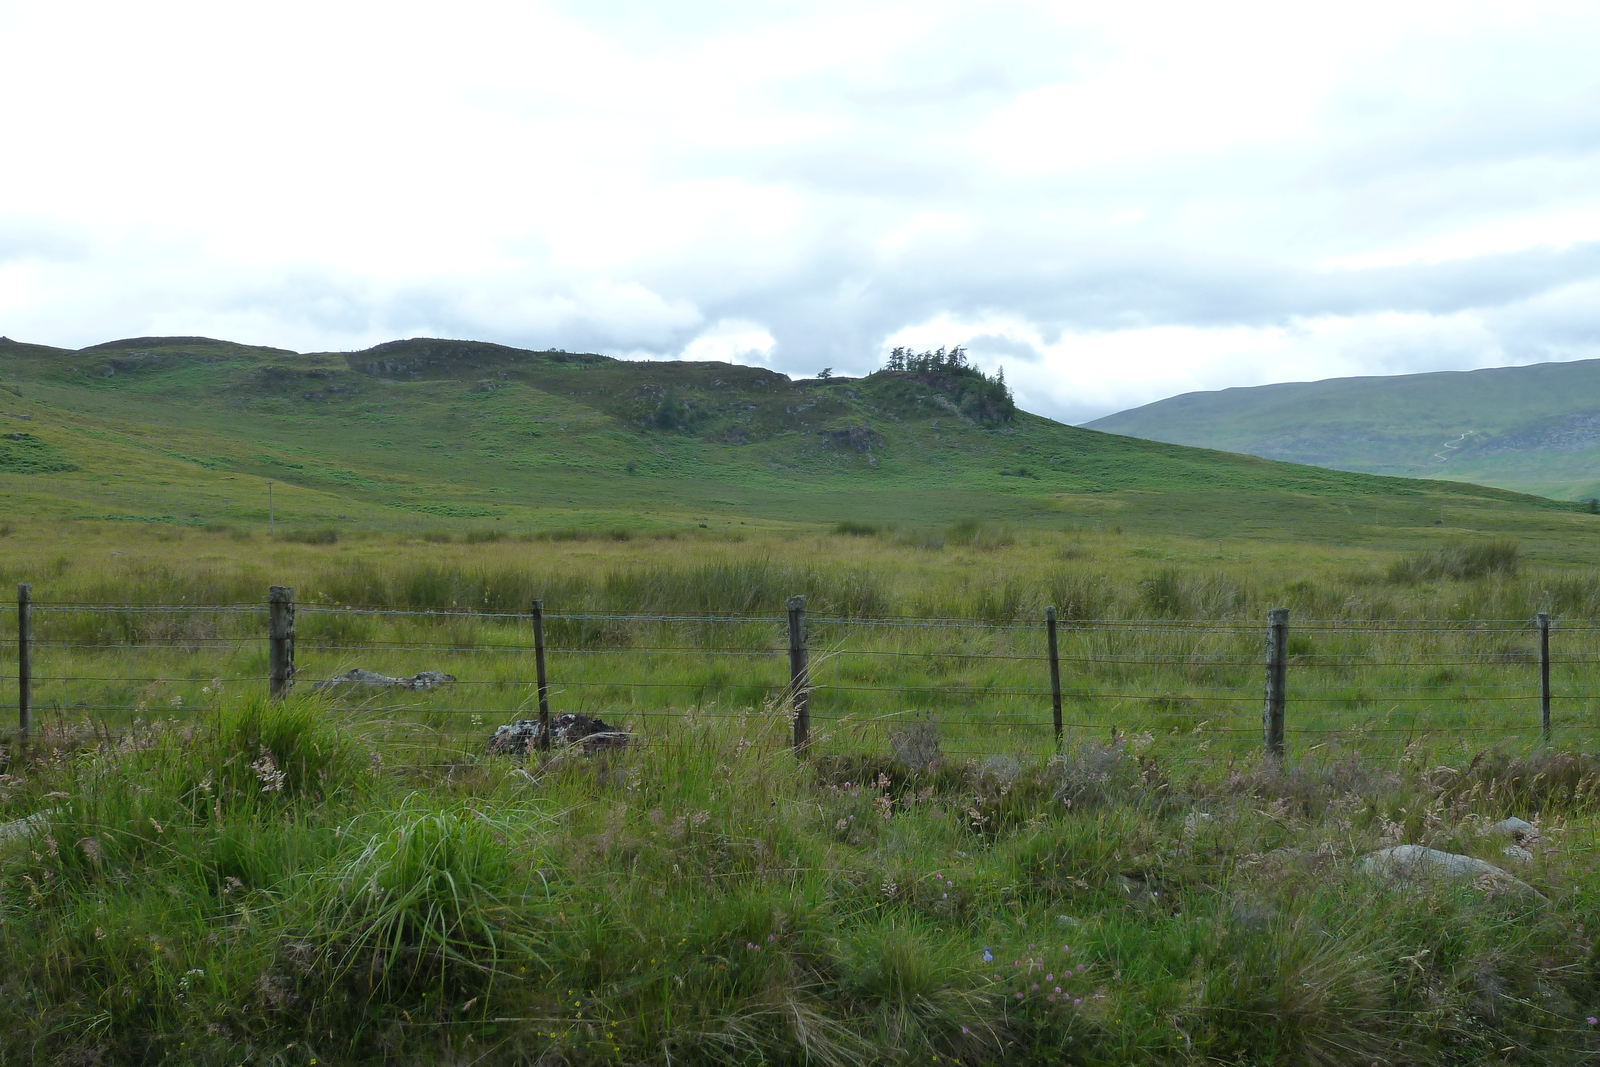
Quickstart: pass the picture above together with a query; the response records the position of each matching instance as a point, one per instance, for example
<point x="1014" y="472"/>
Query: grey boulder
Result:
<point x="423" y="680"/>
<point x="585" y="731"/>
<point x="1416" y="863"/>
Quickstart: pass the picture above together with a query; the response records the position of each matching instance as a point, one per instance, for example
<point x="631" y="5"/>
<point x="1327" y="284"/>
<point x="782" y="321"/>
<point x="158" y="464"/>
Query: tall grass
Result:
<point x="705" y="896"/>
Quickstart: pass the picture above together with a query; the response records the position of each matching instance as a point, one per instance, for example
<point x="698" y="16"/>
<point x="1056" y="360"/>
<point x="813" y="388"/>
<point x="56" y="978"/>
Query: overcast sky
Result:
<point x="1116" y="201"/>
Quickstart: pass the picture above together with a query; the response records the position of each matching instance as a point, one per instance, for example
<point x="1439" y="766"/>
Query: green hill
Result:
<point x="428" y="433"/>
<point x="1532" y="429"/>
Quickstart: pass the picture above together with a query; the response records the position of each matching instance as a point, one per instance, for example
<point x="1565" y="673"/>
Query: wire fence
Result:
<point x="1202" y="688"/>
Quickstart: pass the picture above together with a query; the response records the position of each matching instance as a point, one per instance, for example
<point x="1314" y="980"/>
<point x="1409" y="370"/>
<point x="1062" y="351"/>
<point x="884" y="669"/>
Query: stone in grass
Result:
<point x="1515" y="827"/>
<point x="1415" y="862"/>
<point x="30" y="824"/>
<point x="373" y="680"/>
<point x="521" y="737"/>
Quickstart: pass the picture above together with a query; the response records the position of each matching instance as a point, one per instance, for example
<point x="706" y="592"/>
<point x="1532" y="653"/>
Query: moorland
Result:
<point x="1534" y="429"/>
<point x="190" y="873"/>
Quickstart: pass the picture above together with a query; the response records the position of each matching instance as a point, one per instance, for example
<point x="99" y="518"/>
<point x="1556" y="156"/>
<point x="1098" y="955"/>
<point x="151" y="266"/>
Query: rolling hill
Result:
<point x="425" y="433"/>
<point x="1532" y="429"/>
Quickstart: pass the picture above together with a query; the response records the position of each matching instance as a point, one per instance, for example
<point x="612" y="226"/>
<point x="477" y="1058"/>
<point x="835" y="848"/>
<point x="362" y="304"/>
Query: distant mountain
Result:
<point x="1532" y="429"/>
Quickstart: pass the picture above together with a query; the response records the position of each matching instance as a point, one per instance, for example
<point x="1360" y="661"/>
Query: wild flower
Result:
<point x="988" y="957"/>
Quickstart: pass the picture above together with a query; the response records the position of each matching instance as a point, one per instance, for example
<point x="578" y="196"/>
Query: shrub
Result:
<point x="915" y="744"/>
<point x="1460" y="562"/>
<point x="325" y="535"/>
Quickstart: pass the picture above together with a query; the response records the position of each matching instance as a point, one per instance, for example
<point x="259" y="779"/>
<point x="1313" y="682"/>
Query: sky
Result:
<point x="1113" y="202"/>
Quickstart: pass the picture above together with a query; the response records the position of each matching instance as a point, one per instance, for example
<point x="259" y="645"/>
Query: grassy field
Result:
<point x="189" y="874"/>
<point x="209" y="879"/>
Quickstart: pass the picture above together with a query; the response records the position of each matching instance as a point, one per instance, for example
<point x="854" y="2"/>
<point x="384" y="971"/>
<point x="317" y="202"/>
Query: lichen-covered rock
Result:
<point x="1416" y="862"/>
<point x="1515" y="827"/>
<point x="423" y="680"/>
<point x="585" y="731"/>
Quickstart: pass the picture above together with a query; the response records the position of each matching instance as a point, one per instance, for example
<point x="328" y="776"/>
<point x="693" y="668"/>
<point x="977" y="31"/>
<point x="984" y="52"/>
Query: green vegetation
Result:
<point x="284" y="885"/>
<point x="189" y="875"/>
<point x="449" y="435"/>
<point x="1533" y="429"/>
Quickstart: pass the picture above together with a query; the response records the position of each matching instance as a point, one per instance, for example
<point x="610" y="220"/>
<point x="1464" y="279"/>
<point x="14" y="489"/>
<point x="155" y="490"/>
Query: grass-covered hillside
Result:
<point x="423" y="434"/>
<point x="1532" y="429"/>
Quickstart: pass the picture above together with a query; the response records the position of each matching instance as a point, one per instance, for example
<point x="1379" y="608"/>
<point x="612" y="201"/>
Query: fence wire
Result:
<point x="983" y="685"/>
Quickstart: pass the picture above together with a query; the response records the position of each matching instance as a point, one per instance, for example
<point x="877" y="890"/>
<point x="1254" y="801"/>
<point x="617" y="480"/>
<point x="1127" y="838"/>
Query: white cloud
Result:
<point x="731" y="341"/>
<point x="1117" y="201"/>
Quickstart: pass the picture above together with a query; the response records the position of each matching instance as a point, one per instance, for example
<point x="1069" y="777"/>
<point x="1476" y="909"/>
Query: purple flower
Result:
<point x="1036" y="987"/>
<point x="1049" y="978"/>
<point x="1066" y="948"/>
<point x="771" y="938"/>
<point x="964" y="1030"/>
<point x="1051" y="997"/>
<point x="988" y="957"/>
<point x="1083" y="966"/>
<point x="944" y="896"/>
<point x="1058" y="989"/>
<point x="1593" y="1021"/>
<point x="1076" y="1001"/>
<point x="1019" y="996"/>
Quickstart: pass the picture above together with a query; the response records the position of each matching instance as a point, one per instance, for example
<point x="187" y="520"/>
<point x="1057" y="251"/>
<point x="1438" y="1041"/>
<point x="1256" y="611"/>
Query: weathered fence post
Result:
<point x="799" y="672"/>
<point x="1544" y="674"/>
<point x="1055" y="668"/>
<point x="24" y="660"/>
<point x="280" y="641"/>
<point x="1277" y="679"/>
<point x="537" y="609"/>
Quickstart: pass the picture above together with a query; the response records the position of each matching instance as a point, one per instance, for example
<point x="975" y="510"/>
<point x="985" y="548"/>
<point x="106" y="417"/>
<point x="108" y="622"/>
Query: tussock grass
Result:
<point x="706" y="895"/>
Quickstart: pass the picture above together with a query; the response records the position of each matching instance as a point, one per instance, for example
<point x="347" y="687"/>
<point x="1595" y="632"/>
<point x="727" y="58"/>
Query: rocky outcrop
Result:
<point x="521" y="737"/>
<point x="423" y="680"/>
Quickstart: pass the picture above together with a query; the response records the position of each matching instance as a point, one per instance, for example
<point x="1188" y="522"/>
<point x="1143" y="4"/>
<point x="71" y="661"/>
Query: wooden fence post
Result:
<point x="1055" y="669"/>
<point x="1544" y="674"/>
<point x="24" y="660"/>
<point x="1277" y="679"/>
<point x="280" y="641"/>
<point x="537" y="610"/>
<point x="799" y="672"/>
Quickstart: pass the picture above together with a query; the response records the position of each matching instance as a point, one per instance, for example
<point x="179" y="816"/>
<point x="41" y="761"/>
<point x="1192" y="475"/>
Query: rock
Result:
<point x="373" y="680"/>
<point x="1517" y="828"/>
<point x="587" y="732"/>
<point x="24" y="826"/>
<point x="1416" y="861"/>
<point x="1517" y="854"/>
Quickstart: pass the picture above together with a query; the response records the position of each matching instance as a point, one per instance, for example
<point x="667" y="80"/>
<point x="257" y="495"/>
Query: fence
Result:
<point x="1202" y="687"/>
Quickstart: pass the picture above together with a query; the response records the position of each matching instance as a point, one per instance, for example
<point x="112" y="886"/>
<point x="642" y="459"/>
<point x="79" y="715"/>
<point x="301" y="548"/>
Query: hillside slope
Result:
<point x="422" y="433"/>
<point x="1532" y="429"/>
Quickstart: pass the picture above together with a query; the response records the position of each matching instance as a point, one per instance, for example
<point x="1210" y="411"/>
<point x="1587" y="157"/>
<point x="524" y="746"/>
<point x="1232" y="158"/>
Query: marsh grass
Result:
<point x="706" y="895"/>
<point x="211" y="878"/>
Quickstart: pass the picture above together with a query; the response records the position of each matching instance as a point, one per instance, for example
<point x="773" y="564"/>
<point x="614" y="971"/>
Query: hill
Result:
<point x="418" y="434"/>
<point x="1532" y="429"/>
